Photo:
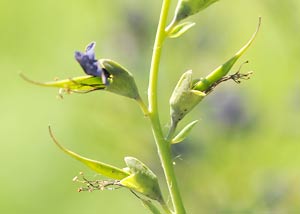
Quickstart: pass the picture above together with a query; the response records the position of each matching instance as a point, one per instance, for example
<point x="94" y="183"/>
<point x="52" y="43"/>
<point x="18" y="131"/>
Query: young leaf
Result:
<point x="148" y="204"/>
<point x="99" y="167"/>
<point x="180" y="29"/>
<point x="221" y="71"/>
<point x="184" y="132"/>
<point x="141" y="179"/>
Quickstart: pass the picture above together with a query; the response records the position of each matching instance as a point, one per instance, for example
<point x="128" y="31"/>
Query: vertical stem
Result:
<point x="163" y="146"/>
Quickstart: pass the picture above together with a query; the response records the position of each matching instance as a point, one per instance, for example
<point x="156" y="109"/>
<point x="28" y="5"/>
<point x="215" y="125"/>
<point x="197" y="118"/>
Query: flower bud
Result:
<point x="141" y="179"/>
<point x="186" y="8"/>
<point x="121" y="81"/>
<point x="184" y="98"/>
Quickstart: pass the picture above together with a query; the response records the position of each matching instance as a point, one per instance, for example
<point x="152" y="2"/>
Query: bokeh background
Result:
<point x="243" y="156"/>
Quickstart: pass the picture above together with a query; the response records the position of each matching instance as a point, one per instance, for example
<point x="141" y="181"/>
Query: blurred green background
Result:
<point x="243" y="156"/>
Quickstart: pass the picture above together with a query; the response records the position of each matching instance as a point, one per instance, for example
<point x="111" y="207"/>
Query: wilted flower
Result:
<point x="89" y="64"/>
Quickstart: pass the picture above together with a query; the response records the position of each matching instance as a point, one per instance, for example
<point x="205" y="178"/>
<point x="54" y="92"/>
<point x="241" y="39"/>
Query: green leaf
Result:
<point x="184" y="132"/>
<point x="184" y="98"/>
<point x="148" y="204"/>
<point x="180" y="29"/>
<point x="141" y="179"/>
<point x="222" y="70"/>
<point x="122" y="81"/>
<point x="76" y="84"/>
<point x="99" y="167"/>
<point x="186" y="8"/>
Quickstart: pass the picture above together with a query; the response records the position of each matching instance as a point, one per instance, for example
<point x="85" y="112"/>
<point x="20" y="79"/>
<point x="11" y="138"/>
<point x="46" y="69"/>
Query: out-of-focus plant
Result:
<point x="107" y="75"/>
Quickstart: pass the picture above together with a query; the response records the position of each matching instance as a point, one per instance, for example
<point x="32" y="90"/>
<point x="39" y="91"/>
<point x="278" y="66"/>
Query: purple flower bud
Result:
<point x="89" y="64"/>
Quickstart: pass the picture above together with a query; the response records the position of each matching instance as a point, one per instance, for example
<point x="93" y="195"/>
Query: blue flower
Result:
<point x="89" y="64"/>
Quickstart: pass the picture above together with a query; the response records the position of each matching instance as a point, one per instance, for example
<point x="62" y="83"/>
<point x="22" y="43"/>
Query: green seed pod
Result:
<point x="97" y="166"/>
<point x="79" y="84"/>
<point x="122" y="81"/>
<point x="205" y="83"/>
<point x="186" y="8"/>
<point x="184" y="98"/>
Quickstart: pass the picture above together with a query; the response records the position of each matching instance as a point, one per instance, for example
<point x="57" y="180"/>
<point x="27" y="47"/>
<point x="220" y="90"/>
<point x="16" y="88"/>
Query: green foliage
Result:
<point x="108" y="75"/>
<point x="184" y="132"/>
<point x="148" y="204"/>
<point x="180" y="29"/>
<point x="251" y="165"/>
<point x="137" y="176"/>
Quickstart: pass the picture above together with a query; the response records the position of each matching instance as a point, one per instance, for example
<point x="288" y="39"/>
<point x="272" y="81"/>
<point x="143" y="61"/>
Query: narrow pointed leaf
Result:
<point x="180" y="29"/>
<point x="148" y="204"/>
<point x="99" y="167"/>
<point x="223" y="70"/>
<point x="184" y="132"/>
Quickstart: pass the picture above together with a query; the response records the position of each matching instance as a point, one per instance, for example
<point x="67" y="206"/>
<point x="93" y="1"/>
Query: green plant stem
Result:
<point x="163" y="146"/>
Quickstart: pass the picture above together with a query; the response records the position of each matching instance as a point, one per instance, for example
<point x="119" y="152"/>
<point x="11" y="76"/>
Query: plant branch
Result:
<point x="163" y="146"/>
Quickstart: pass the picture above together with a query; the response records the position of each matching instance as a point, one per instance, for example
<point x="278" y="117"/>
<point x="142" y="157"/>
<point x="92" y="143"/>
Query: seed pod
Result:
<point x="81" y="84"/>
<point x="205" y="83"/>
<point x="97" y="166"/>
